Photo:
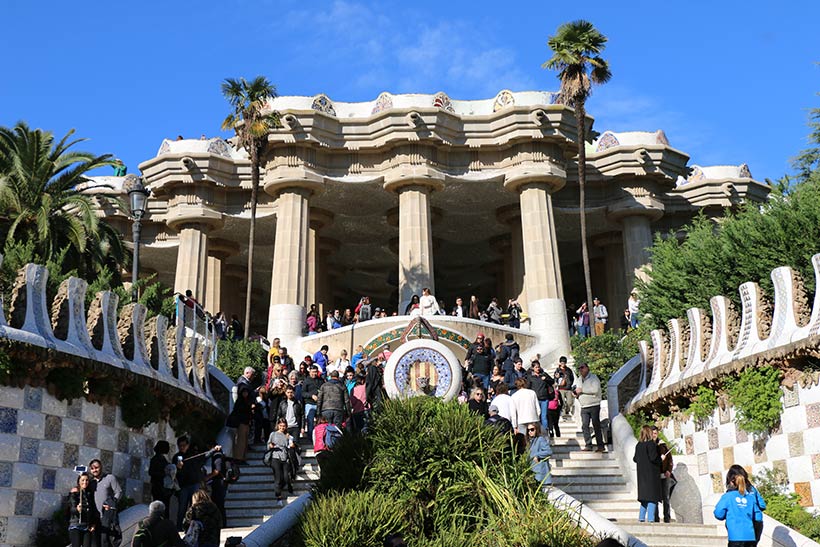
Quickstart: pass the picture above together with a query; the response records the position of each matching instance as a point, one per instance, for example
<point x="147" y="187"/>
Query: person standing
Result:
<point x="107" y="494"/>
<point x="600" y="314"/>
<point x="480" y="366"/>
<point x="205" y="511"/>
<point x="517" y="372"/>
<point x="582" y="320"/>
<point x="83" y="517"/>
<point x="279" y="443"/>
<point x="589" y="397"/>
<point x="542" y="385"/>
<point x="539" y="453"/>
<point x="374" y="382"/>
<point x="738" y="507"/>
<point x="648" y="460"/>
<point x="666" y="476"/>
<point x="459" y="310"/>
<point x="525" y="409"/>
<point x="428" y="303"/>
<point x="188" y="477"/>
<point x="333" y="401"/>
<point x="514" y="312"/>
<point x="494" y="312"/>
<point x="320" y="359"/>
<point x="156" y="470"/>
<point x="217" y="478"/>
<point x="564" y="380"/>
<point x="310" y="394"/>
<point x="156" y="529"/>
<point x="633" y="304"/>
<point x="291" y="411"/>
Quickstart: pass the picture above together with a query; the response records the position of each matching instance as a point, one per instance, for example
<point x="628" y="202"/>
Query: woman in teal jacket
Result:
<point x="539" y="453"/>
<point x="740" y="509"/>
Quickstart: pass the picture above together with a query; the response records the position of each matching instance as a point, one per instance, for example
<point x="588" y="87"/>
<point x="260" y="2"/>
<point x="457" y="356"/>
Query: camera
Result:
<point x="80" y="469"/>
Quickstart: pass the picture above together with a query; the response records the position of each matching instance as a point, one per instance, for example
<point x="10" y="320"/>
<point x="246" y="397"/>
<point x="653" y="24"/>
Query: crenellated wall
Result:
<point x="783" y="332"/>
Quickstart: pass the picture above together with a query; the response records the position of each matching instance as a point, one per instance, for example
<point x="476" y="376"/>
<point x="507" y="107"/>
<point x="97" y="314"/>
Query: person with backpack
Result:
<point x="203" y="522"/>
<point x="156" y="530"/>
<point x="218" y="479"/>
<point x="508" y="352"/>
<point x="333" y="402"/>
<point x="554" y="413"/>
<point x="544" y="387"/>
<point x="277" y="457"/>
<point x="157" y="471"/>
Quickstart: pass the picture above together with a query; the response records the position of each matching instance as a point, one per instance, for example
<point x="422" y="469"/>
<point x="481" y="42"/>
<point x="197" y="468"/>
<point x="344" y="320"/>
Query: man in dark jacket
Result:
<point x="508" y="352"/>
<point x="107" y="493"/>
<point x="333" y="401"/>
<point x="291" y="411"/>
<point x="667" y="480"/>
<point x="189" y="474"/>
<point x="517" y="372"/>
<point x="479" y="341"/>
<point x="310" y="395"/>
<point x="542" y="384"/>
<point x="498" y="421"/>
<point x="374" y="382"/>
<point x="160" y="530"/>
<point x="481" y="366"/>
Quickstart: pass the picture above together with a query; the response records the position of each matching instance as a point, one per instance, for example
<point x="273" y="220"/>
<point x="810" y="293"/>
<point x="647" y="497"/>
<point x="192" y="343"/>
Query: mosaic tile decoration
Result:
<point x="408" y="365"/>
<point x="323" y="104"/>
<point x="503" y="100"/>
<point x="607" y="140"/>
<point x="395" y="334"/>
<point x="442" y="101"/>
<point x="383" y="102"/>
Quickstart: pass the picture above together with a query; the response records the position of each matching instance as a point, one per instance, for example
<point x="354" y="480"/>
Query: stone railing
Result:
<point x="168" y="356"/>
<point x="699" y="350"/>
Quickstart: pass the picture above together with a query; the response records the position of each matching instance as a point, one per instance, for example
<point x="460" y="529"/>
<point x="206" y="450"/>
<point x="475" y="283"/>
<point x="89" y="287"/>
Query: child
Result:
<point x="739" y="508"/>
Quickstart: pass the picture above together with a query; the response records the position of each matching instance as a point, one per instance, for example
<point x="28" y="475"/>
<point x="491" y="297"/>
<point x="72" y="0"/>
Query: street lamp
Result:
<point x="138" y="198"/>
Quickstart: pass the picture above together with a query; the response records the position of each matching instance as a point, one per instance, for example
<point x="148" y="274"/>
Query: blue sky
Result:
<point x="729" y="82"/>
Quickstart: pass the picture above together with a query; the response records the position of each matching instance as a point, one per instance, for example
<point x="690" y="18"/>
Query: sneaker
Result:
<point x="601" y="449"/>
<point x="587" y="449"/>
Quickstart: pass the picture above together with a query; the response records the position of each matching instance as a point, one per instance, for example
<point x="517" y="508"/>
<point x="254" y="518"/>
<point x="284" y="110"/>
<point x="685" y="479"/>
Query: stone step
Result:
<point x="675" y="529"/>
<point x="235" y="532"/>
<point x="258" y="509"/>
<point x="263" y="501"/>
<point x="603" y="480"/>
<point x="608" y="471"/>
<point x="607" y="494"/>
<point x="584" y="464"/>
<point x="256" y="486"/>
<point x="582" y="490"/>
<point x="265" y="470"/>
<point x="582" y="455"/>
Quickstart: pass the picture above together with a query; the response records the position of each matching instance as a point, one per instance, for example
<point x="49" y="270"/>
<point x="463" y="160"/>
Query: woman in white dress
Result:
<point x="428" y="303"/>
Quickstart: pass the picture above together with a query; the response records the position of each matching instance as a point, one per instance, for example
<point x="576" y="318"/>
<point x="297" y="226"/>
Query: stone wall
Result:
<point x="43" y="438"/>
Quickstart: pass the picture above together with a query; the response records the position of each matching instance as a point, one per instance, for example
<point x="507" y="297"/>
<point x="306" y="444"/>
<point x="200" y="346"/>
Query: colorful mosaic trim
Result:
<point x="442" y="101"/>
<point x="384" y="102"/>
<point x="503" y="100"/>
<point x="607" y="140"/>
<point x="395" y="334"/>
<point x="323" y="104"/>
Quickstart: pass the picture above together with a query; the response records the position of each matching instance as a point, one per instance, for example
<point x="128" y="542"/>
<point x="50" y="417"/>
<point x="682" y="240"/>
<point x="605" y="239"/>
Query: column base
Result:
<point x="548" y="320"/>
<point x="286" y="321"/>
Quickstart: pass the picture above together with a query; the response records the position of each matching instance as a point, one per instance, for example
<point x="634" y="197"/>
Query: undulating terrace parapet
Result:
<point x="119" y="343"/>
<point x="702" y="350"/>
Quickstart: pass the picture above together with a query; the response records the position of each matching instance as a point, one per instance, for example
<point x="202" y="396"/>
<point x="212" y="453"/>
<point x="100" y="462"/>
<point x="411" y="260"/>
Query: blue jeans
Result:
<point x="185" y="495"/>
<point x="583" y="331"/>
<point x="545" y="424"/>
<point x="648" y="511"/>
<point x="310" y="415"/>
<point x="633" y="320"/>
<point x="484" y="379"/>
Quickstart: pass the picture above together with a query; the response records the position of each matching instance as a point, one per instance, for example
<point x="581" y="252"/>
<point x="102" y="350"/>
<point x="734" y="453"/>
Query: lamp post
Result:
<point x="138" y="198"/>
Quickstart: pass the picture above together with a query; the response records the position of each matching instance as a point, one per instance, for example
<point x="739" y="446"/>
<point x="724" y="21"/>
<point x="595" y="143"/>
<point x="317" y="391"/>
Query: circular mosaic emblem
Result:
<point x="423" y="368"/>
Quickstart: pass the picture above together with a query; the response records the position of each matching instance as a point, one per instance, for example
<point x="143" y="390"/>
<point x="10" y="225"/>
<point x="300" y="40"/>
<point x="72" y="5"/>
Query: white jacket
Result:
<point x="504" y="404"/>
<point x="525" y="407"/>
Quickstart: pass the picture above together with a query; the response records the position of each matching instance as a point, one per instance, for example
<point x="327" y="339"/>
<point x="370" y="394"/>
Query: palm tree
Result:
<point x="252" y="125"/>
<point x="576" y="49"/>
<point x="41" y="200"/>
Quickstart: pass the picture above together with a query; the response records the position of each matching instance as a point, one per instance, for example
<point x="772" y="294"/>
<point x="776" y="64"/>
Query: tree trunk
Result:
<point x="582" y="180"/>
<point x="254" y="152"/>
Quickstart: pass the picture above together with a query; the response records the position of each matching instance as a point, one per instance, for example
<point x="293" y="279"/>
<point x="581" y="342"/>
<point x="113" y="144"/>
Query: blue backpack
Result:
<point x="332" y="435"/>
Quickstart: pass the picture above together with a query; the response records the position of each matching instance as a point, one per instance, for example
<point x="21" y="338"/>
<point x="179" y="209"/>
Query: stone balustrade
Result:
<point x="175" y="357"/>
<point x="691" y="353"/>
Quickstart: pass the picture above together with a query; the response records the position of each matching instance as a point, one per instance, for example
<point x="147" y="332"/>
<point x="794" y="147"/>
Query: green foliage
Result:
<point x="639" y="419"/>
<point x="715" y="259"/>
<point x="53" y="532"/>
<point x="352" y="519"/>
<point x="69" y="383"/>
<point x="140" y="407"/>
<point x="350" y="455"/>
<point x="783" y="505"/>
<point x="445" y="479"/>
<point x="16" y="254"/>
<point x="235" y="356"/>
<point x="201" y="429"/>
<point x="704" y="403"/>
<point x="10" y="368"/>
<point x="607" y="353"/>
<point x="755" y="392"/>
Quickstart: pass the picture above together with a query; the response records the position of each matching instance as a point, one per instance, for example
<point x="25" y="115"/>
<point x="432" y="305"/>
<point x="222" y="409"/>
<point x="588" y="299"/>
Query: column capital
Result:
<point x="636" y="201"/>
<point x="416" y="177"/>
<point x="201" y="218"/>
<point x="296" y="179"/>
<point x="548" y="175"/>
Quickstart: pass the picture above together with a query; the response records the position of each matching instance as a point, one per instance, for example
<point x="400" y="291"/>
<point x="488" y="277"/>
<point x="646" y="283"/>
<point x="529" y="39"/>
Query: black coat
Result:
<point x="648" y="459"/>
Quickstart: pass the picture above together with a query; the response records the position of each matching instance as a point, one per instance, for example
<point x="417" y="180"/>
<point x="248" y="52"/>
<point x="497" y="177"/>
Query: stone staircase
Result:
<point x="596" y="480"/>
<point x="252" y="499"/>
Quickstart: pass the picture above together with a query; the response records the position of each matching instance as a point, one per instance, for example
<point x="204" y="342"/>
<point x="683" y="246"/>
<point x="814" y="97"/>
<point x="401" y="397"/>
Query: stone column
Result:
<point x="325" y="246"/>
<point x="616" y="290"/>
<point x="218" y="251"/>
<point x="517" y="278"/>
<point x="235" y="285"/>
<point x="415" y="236"/>
<point x="286" y="314"/>
<point x="319" y="218"/>
<point x="192" y="258"/>
<point x="637" y="241"/>
<point x="542" y="267"/>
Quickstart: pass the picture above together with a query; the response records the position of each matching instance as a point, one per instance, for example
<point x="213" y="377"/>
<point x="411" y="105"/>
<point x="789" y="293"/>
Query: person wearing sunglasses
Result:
<point x="539" y="453"/>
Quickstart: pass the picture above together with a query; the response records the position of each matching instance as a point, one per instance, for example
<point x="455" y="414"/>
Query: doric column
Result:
<point x="637" y="209"/>
<point x="615" y="277"/>
<point x="542" y="267"/>
<point x="415" y="236"/>
<point x="319" y="218"/>
<point x="289" y="277"/>
<point x="218" y="251"/>
<point x="517" y="283"/>
<point x="192" y="258"/>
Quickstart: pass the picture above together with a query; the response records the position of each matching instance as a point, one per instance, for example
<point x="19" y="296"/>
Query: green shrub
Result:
<point x="703" y="404"/>
<point x="607" y="353"/>
<point x="755" y="392"/>
<point x="53" y="532"/>
<point x="235" y="356"/>
<point x="352" y="519"/>
<point x="140" y="407"/>
<point x="346" y="463"/>
<point x="783" y="505"/>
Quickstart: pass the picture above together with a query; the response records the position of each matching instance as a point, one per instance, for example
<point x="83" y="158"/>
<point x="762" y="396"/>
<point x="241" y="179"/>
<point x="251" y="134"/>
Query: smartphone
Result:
<point x="80" y="469"/>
